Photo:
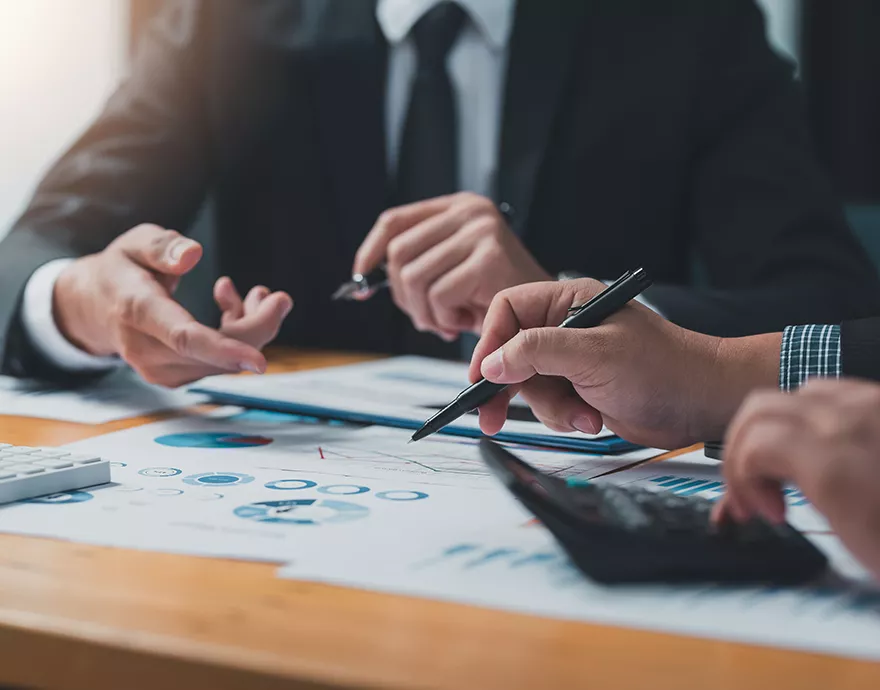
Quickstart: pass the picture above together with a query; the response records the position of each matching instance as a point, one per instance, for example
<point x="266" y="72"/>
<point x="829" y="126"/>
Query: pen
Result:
<point x="362" y="286"/>
<point x="611" y="300"/>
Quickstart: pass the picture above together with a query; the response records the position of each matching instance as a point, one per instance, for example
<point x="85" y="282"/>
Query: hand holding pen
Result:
<point x="445" y="258"/>
<point x="648" y="380"/>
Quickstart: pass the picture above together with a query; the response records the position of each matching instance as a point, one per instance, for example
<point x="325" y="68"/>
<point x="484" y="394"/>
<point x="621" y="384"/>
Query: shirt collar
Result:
<point x="494" y="18"/>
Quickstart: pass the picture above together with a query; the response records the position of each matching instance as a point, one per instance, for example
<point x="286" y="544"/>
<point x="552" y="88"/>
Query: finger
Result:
<point x="529" y="306"/>
<point x="228" y="299"/>
<point x="450" y="293"/>
<point x="157" y="364"/>
<point x="159" y="250"/>
<point x="494" y="413"/>
<point x="549" y="351"/>
<point x="162" y="318"/>
<point x="558" y="406"/>
<point x="735" y="507"/>
<point x="390" y="224"/>
<point x="254" y="297"/>
<point x="415" y="279"/>
<point x="757" y="406"/>
<point x="769" y="500"/>
<point x="760" y="460"/>
<point x="261" y="326"/>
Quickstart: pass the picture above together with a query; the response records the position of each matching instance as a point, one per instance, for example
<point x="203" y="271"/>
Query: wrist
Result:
<point x="737" y="367"/>
<point x="69" y="318"/>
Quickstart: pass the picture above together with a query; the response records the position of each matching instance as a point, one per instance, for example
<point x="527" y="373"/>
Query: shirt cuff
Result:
<point x="42" y="331"/>
<point x="808" y="352"/>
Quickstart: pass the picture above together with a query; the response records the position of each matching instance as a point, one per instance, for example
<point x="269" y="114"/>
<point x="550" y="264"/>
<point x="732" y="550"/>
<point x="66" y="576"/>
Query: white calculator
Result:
<point x="27" y="472"/>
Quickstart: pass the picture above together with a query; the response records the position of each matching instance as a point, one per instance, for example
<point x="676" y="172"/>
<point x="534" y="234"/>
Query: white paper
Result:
<point x="410" y="388"/>
<point x="521" y="568"/>
<point x="117" y="396"/>
<point x="212" y="501"/>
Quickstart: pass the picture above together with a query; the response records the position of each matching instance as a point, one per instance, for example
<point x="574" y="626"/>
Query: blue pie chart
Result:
<point x="303" y="511"/>
<point x="214" y="440"/>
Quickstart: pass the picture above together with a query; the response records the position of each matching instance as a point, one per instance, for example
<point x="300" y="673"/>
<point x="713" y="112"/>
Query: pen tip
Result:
<point x="412" y="440"/>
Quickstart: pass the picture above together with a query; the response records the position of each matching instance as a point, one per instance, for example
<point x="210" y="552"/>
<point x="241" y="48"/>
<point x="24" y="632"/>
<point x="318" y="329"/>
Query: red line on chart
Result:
<point x="321" y="453"/>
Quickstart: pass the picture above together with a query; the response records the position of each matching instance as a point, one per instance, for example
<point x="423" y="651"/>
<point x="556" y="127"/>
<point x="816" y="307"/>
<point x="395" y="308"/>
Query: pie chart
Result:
<point x="213" y="440"/>
<point x="303" y="511"/>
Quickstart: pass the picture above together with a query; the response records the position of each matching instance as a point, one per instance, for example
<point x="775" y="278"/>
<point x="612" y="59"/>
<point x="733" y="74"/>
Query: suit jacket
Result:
<point x="633" y="133"/>
<point x="860" y="348"/>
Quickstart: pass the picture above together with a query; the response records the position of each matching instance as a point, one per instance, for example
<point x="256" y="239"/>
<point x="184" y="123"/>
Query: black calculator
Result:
<point x="617" y="534"/>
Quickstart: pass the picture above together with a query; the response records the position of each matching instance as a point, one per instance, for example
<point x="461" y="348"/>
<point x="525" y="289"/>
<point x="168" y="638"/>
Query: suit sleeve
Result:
<point x="763" y="220"/>
<point x="143" y="160"/>
<point x="860" y="348"/>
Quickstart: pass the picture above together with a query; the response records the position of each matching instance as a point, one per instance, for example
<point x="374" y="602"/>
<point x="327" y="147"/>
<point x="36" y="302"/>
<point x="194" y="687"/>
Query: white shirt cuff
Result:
<point x="39" y="324"/>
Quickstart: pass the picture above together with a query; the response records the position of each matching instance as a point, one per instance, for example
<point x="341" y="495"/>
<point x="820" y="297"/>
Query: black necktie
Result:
<point x="428" y="159"/>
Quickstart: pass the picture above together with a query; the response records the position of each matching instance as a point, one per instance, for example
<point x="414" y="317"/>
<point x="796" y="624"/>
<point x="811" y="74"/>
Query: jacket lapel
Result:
<point x="539" y="67"/>
<point x="350" y="92"/>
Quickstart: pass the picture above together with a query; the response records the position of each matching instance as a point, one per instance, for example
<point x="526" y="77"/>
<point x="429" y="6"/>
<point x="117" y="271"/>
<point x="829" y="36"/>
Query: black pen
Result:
<point x="611" y="300"/>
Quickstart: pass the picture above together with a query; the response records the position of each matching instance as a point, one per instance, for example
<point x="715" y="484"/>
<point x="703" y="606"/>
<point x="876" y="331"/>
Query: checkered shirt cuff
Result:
<point x="808" y="352"/>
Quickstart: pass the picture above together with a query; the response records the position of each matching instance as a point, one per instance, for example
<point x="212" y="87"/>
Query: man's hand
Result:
<point x="826" y="440"/>
<point x="446" y="259"/>
<point x="119" y="301"/>
<point x="649" y="381"/>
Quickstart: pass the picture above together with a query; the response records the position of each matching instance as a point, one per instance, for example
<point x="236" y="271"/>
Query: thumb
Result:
<point x="160" y="250"/>
<point x="548" y="351"/>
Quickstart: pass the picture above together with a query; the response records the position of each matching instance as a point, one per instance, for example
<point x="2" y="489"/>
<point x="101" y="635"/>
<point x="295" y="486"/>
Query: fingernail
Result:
<point x="585" y="424"/>
<point x="176" y="250"/>
<point x="251" y="367"/>
<point x="287" y="310"/>
<point x="493" y="365"/>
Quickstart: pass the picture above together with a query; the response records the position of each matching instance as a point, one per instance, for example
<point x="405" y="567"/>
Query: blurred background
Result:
<point x="60" y="59"/>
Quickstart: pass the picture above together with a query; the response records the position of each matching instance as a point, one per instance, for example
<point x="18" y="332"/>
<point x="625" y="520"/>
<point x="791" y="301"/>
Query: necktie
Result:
<point x="428" y="159"/>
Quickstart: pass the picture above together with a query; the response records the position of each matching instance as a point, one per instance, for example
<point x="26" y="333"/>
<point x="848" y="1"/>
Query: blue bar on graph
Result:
<point x="689" y="484"/>
<point x="699" y="489"/>
<point x="672" y="482"/>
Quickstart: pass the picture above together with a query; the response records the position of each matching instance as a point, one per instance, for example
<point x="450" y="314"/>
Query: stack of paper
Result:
<point x="399" y="392"/>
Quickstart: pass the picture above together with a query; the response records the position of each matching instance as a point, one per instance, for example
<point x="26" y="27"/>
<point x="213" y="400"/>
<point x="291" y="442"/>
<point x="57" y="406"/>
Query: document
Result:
<point x="521" y="568"/>
<point x="119" y="395"/>
<point x="401" y="391"/>
<point x="258" y="485"/>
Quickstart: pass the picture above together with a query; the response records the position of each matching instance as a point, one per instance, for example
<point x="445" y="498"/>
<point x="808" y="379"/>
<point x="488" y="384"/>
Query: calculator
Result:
<point x="27" y="472"/>
<point x="619" y="534"/>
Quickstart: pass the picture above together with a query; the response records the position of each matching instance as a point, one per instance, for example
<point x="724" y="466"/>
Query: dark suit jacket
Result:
<point x="634" y="132"/>
<point x="860" y="348"/>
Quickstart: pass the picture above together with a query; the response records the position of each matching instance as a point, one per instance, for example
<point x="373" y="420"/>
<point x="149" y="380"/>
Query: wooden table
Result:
<point x="75" y="616"/>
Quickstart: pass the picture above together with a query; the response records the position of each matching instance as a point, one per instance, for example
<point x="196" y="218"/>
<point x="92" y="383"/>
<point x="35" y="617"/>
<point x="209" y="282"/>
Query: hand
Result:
<point x="826" y="440"/>
<point x="446" y="259"/>
<point x="119" y="302"/>
<point x="649" y="381"/>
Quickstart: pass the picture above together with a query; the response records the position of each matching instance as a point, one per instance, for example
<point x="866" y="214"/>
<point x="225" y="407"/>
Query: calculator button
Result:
<point x="54" y="464"/>
<point x="83" y="459"/>
<point x="5" y="445"/>
<point x="53" y="453"/>
<point x="4" y="474"/>
<point x="25" y="469"/>
<point x="22" y="450"/>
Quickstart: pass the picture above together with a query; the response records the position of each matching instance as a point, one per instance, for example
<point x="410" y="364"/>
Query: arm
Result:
<point x="763" y="219"/>
<point x="144" y="158"/>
